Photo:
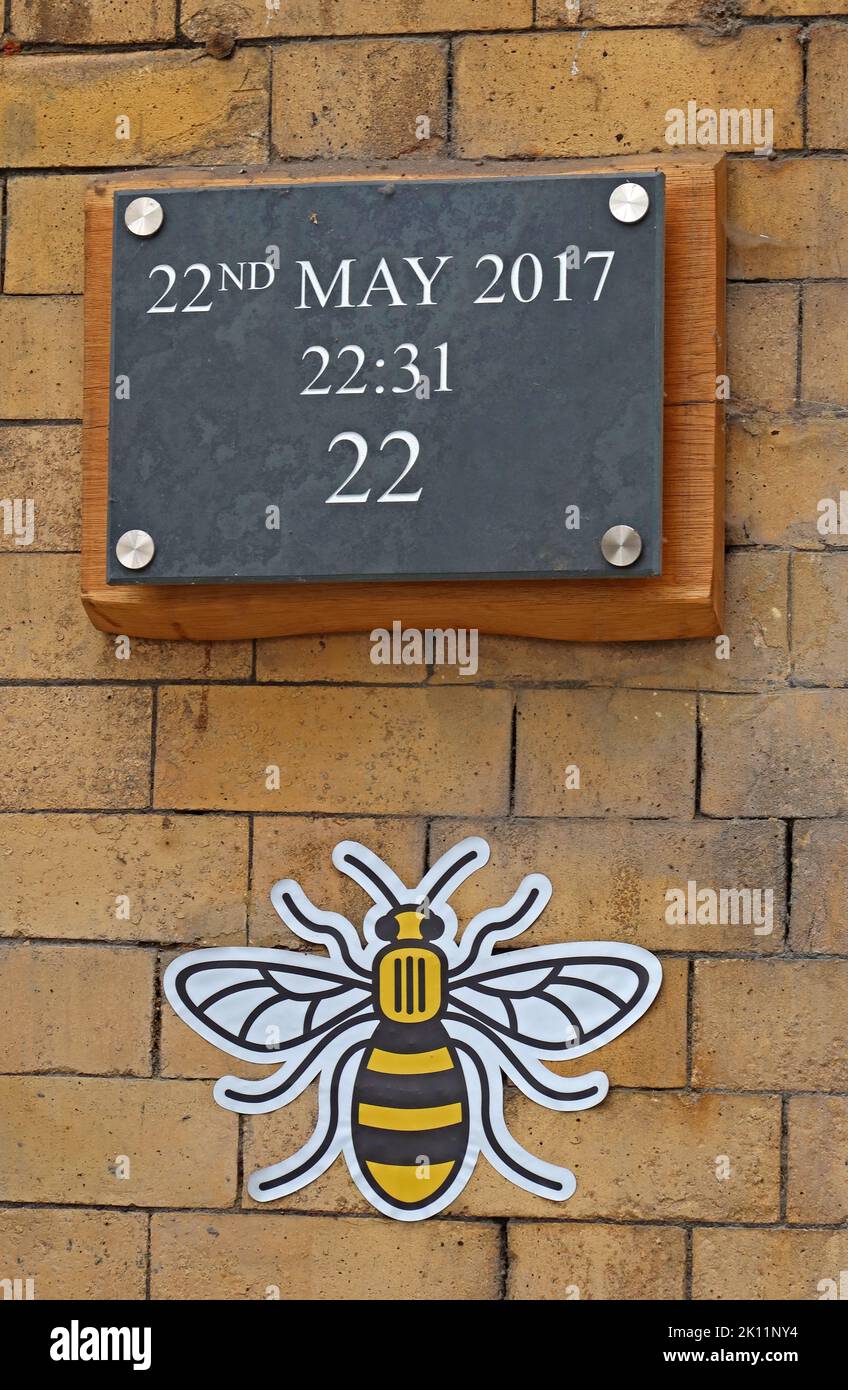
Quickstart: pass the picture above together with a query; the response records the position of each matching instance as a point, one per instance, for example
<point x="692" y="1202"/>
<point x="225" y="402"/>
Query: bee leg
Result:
<point x="310" y="923"/>
<point x="507" y="1156"/>
<point x="324" y="1144"/>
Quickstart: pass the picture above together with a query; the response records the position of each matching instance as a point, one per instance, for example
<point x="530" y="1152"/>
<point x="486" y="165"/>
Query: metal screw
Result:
<point x="135" y="550"/>
<point x="144" y="216"/>
<point x="621" y="546"/>
<point x="629" y="202"/>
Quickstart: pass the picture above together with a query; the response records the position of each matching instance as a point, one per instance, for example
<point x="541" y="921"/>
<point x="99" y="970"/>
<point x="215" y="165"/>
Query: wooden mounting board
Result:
<point x="686" y="600"/>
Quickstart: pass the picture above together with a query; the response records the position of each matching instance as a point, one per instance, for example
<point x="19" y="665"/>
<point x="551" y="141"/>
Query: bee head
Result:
<point x="410" y="922"/>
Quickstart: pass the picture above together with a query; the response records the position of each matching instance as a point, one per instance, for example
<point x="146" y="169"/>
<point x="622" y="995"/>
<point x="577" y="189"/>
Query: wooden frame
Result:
<point x="684" y="601"/>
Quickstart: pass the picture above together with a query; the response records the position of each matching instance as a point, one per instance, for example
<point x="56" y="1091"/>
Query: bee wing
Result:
<point x="558" y="1000"/>
<point x="257" y="1003"/>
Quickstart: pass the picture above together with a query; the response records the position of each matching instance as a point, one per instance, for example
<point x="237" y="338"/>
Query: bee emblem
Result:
<point x="411" y="1033"/>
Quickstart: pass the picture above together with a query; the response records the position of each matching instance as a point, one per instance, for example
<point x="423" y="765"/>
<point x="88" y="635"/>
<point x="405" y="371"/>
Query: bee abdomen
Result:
<point x="410" y="1122"/>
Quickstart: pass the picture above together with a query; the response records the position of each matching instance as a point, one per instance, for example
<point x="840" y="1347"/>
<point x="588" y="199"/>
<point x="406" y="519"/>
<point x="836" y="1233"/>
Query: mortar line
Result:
<point x="181" y="42"/>
<point x="148" y="1270"/>
<point x="690" y="1019"/>
<point x="503" y="1240"/>
<point x="238" y="1200"/>
<point x="699" y="752"/>
<point x="156" y="1016"/>
<point x="669" y="1223"/>
<point x="702" y="953"/>
<point x="460" y="818"/>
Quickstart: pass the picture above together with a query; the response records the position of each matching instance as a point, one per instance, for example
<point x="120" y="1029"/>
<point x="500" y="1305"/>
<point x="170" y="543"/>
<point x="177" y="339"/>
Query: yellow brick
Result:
<point x="70" y="1133"/>
<point x="608" y="93"/>
<point x="41" y="348"/>
<point x="762" y="346"/>
<point x="771" y="1025"/>
<point x="46" y="635"/>
<point x="409" y="752"/>
<point x="819" y="634"/>
<point x="301" y="848"/>
<point x="818" y="1171"/>
<point x="359" y="99"/>
<point x="75" y="1008"/>
<point x="819" y="922"/>
<point x="96" y="21"/>
<point x="755" y="622"/>
<point x="567" y="1260"/>
<point x="775" y="755"/>
<point x="134" y="108"/>
<point x="761" y="1265"/>
<point x="824" y="362"/>
<point x="44" y="234"/>
<point x="635" y="751"/>
<point x="74" y="747"/>
<point x="645" y="1156"/>
<point x="787" y="218"/>
<point x="254" y="1255"/>
<point x="42" y="463"/>
<point x="582" y="14"/>
<point x="778" y="471"/>
<point x="325" y="18"/>
<point x="335" y="657"/>
<point x="75" y="1254"/>
<point x="611" y="878"/>
<point x="827" y="56"/>
<point x="171" y="878"/>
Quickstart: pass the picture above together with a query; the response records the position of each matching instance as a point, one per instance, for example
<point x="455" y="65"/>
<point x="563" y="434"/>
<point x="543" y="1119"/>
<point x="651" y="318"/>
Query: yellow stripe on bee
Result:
<point x="391" y="1117"/>
<point x="410" y="1063"/>
<point x="410" y="1182"/>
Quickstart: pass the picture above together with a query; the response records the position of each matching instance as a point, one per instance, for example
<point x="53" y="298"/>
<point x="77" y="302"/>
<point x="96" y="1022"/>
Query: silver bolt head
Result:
<point x="135" y="550"/>
<point x="144" y="216"/>
<point x="629" y="202"/>
<point x="621" y="546"/>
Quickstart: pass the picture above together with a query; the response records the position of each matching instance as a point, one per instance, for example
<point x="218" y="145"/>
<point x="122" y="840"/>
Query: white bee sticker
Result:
<point x="410" y="1033"/>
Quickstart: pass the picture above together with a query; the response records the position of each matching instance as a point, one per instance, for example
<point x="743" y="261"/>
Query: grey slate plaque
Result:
<point x="260" y="433"/>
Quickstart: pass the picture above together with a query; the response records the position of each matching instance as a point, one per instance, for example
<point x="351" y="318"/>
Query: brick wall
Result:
<point x="135" y="820"/>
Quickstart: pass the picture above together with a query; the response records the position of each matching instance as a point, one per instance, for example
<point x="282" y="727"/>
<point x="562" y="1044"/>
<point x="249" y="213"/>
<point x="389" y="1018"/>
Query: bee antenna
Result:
<point x="454" y="868"/>
<point x="365" y="868"/>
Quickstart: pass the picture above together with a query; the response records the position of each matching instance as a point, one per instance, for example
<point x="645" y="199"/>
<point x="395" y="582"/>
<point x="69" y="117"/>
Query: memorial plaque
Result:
<point x="427" y="378"/>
